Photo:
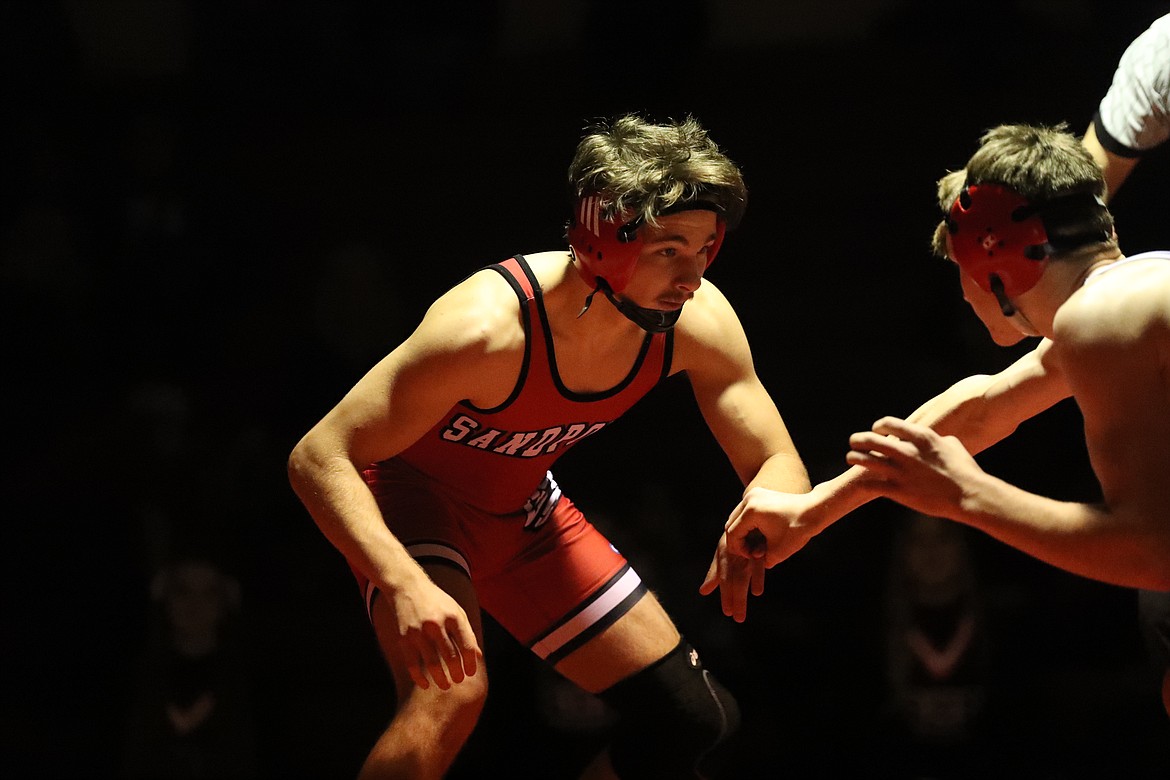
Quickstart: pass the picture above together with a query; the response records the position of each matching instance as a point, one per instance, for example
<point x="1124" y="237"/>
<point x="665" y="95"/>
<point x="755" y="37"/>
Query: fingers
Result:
<point x="733" y="591"/>
<point x="418" y="673"/>
<point x="466" y="648"/>
<point x="744" y="539"/>
<point x="711" y="581"/>
<point x="443" y="656"/>
<point x="758" y="568"/>
<point x="436" y="645"/>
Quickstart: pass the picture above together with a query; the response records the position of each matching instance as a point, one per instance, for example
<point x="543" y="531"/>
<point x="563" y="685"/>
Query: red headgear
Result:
<point x="998" y="238"/>
<point x="609" y="248"/>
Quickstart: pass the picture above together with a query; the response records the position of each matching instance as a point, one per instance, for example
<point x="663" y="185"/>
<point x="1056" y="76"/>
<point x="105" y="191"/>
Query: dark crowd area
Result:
<point x="217" y="215"/>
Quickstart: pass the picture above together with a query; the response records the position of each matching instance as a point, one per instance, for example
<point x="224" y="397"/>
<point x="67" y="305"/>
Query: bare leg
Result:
<point x="639" y="638"/>
<point x="430" y="726"/>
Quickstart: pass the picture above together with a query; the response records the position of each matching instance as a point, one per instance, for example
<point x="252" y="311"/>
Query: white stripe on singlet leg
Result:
<point x="583" y="620"/>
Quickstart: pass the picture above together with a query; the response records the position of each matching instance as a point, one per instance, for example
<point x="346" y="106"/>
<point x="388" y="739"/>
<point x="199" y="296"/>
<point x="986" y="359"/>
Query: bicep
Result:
<point x="1125" y="402"/>
<point x="738" y="409"/>
<point x="981" y="410"/>
<point x="452" y="355"/>
<point x="392" y="406"/>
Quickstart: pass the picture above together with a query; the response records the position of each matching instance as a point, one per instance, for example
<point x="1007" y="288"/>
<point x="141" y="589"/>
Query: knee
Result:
<point x="674" y="716"/>
<point x="453" y="712"/>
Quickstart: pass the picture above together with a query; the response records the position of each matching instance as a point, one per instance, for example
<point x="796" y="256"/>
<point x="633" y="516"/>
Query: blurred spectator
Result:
<point x="191" y="715"/>
<point x="938" y="651"/>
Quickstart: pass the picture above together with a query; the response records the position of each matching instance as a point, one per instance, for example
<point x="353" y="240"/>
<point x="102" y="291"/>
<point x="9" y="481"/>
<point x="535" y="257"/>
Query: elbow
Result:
<point x="297" y="466"/>
<point x="304" y="462"/>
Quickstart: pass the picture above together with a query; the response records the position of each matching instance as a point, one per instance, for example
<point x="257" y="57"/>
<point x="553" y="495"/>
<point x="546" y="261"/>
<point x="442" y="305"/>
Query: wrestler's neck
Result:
<point x="565" y="293"/>
<point x="1061" y="280"/>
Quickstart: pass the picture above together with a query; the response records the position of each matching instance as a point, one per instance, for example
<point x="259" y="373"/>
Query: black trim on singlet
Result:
<point x="611" y="617"/>
<point x="639" y="361"/>
<point x="527" y="319"/>
<point x="607" y="620"/>
<point x="550" y="349"/>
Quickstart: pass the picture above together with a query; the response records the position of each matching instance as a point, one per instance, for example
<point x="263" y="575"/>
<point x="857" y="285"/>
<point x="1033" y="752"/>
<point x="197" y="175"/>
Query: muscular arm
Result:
<point x="735" y="405"/>
<point x="742" y="416"/>
<point x="447" y="358"/>
<point x="1115" y="354"/>
<point x="980" y="410"/>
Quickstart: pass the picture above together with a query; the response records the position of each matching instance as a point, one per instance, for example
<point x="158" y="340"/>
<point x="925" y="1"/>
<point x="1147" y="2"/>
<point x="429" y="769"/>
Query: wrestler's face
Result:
<point x="1003" y="332"/>
<point x="673" y="259"/>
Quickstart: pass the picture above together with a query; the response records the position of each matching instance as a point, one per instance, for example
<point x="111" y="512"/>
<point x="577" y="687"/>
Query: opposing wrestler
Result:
<point x="431" y="476"/>
<point x="1035" y="248"/>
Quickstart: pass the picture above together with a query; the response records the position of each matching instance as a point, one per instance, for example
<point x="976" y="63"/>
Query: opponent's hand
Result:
<point x="734" y="576"/>
<point x="769" y="526"/>
<point x="915" y="466"/>
<point x="436" y="637"/>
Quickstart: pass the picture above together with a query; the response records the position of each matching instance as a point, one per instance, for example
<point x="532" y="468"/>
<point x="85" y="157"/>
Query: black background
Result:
<point x="243" y="205"/>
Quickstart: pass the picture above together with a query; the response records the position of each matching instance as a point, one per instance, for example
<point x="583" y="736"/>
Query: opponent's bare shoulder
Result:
<point x="1120" y="306"/>
<point x="709" y="332"/>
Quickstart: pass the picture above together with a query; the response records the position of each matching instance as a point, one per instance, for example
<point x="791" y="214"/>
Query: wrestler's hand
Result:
<point x="436" y="637"/>
<point x="769" y="526"/>
<point x="734" y="576"/>
<point x="915" y="466"/>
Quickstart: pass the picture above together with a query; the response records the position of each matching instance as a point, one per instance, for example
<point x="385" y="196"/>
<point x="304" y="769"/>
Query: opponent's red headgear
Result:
<point x="998" y="238"/>
<point x="609" y="248"/>
<point x="1002" y="239"/>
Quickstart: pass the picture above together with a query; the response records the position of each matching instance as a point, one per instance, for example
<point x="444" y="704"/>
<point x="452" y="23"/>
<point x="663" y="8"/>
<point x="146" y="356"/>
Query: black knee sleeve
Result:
<point x="674" y="714"/>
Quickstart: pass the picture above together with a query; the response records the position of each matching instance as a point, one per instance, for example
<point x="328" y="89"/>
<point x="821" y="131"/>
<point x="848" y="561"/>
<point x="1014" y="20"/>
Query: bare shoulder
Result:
<point x="1123" y="305"/>
<point x="479" y="313"/>
<point x="709" y="330"/>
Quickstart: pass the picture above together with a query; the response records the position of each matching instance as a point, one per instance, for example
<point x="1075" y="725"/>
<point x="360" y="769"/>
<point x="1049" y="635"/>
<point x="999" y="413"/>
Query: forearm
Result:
<point x="960" y="411"/>
<point x="347" y="514"/>
<point x="834" y="498"/>
<point x="1104" y="543"/>
<point x="784" y="472"/>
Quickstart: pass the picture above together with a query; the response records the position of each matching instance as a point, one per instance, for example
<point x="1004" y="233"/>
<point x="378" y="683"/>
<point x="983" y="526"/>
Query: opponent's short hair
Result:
<point x="1041" y="164"/>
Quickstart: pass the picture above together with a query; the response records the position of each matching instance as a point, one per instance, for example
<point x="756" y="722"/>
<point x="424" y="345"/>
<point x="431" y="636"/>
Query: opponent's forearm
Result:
<point x="961" y="411"/>
<point x="834" y="498"/>
<point x="1115" y="545"/>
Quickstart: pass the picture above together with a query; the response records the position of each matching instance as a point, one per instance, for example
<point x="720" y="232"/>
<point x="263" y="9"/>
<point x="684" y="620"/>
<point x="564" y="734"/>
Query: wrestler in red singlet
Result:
<point x="476" y="492"/>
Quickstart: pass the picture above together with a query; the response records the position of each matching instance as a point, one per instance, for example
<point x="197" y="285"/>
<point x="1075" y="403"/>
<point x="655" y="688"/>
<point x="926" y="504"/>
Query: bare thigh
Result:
<point x="638" y="638"/>
<point x="458" y="586"/>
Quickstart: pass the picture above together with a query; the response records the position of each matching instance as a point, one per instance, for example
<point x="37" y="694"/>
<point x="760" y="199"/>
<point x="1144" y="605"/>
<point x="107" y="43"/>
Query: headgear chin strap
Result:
<point x="650" y="320"/>
<point x="1002" y="241"/>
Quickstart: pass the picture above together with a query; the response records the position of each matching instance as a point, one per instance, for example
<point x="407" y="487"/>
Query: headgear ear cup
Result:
<point x="998" y="239"/>
<point x="606" y="248"/>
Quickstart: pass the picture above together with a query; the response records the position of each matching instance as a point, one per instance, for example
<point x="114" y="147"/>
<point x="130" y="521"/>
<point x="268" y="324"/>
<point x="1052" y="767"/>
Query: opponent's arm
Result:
<point x="1117" y="369"/>
<point x="980" y="410"/>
